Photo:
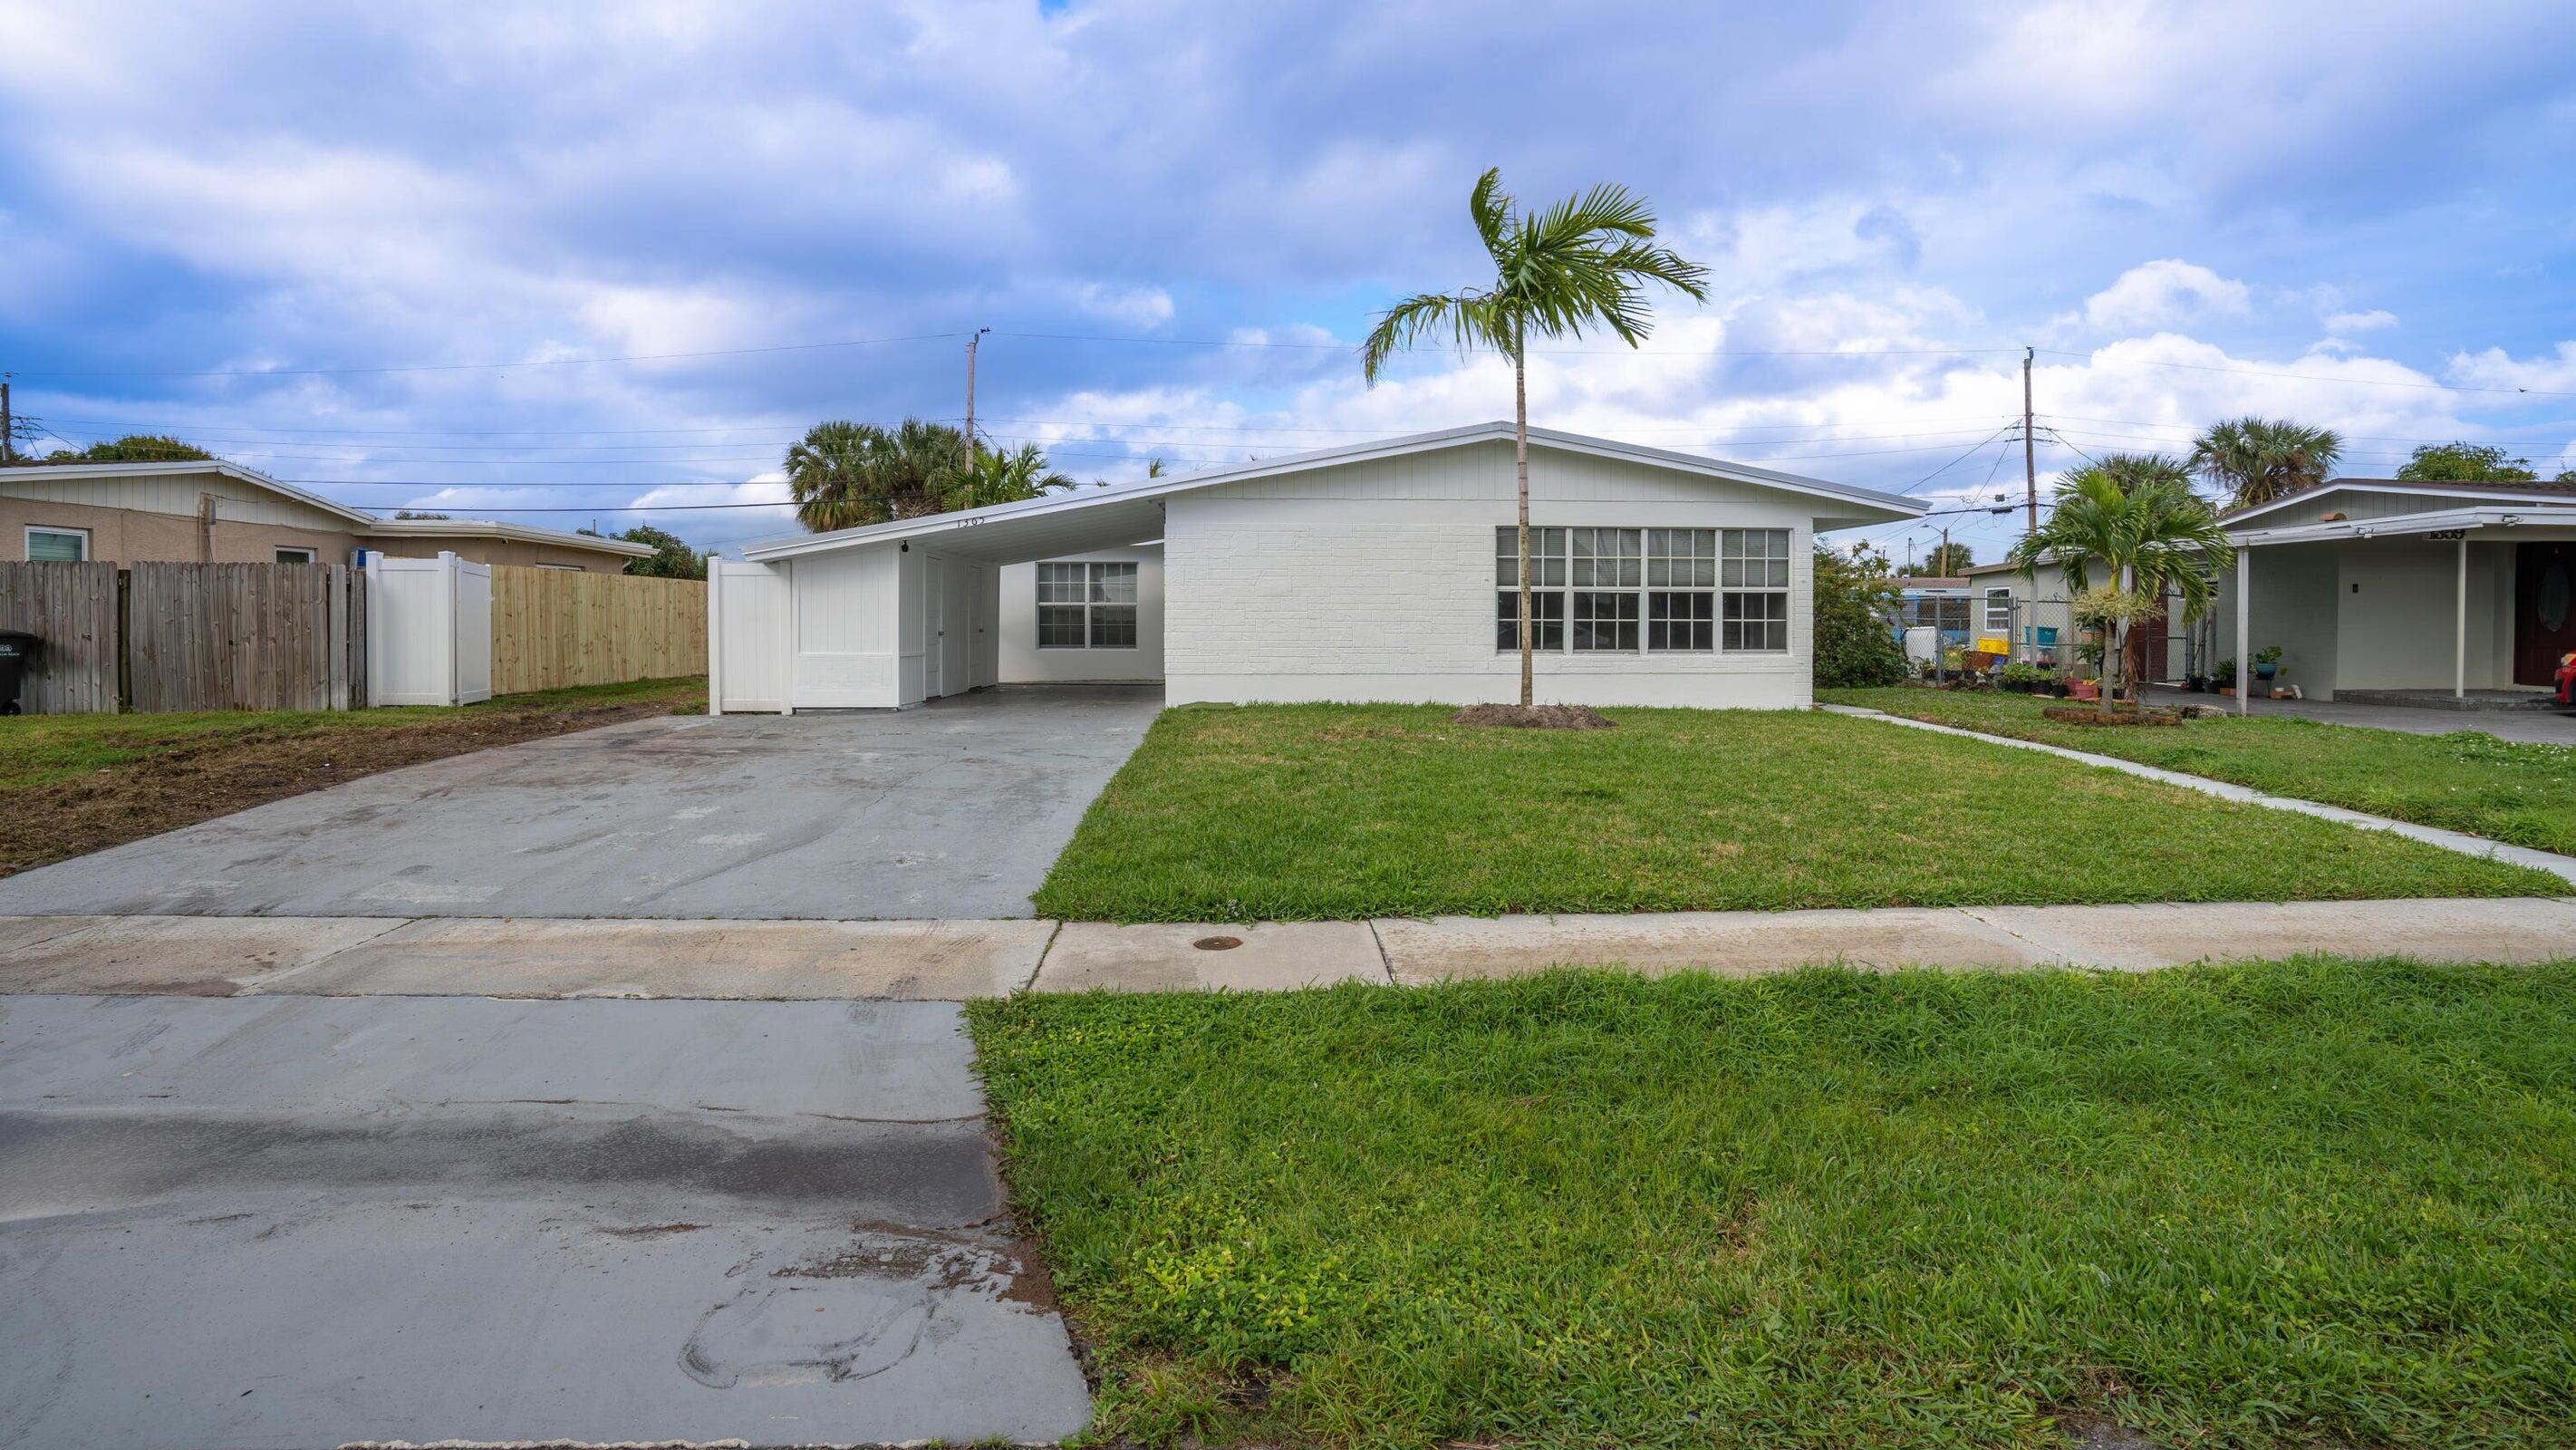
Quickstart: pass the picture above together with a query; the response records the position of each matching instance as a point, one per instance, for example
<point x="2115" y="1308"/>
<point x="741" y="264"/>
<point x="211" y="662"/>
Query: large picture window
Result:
<point x="1596" y="590"/>
<point x="1085" y="605"/>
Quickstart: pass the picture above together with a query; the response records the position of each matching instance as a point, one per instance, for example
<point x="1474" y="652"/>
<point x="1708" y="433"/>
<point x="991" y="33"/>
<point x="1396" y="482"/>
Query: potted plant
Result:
<point x="2267" y="662"/>
<point x="2222" y="678"/>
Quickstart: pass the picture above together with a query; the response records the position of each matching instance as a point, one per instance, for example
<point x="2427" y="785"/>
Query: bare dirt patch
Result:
<point x="188" y="784"/>
<point x="1535" y="717"/>
<point x="2123" y="715"/>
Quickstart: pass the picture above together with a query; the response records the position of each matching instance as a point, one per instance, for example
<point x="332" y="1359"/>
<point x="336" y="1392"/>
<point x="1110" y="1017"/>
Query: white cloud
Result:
<point x="2163" y="293"/>
<point x="2493" y="368"/>
<point x="1134" y="306"/>
<point x="2370" y="321"/>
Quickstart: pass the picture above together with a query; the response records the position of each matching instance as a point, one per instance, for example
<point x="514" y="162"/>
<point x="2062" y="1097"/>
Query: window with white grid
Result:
<point x="1753" y="584"/>
<point x="1084" y="605"/>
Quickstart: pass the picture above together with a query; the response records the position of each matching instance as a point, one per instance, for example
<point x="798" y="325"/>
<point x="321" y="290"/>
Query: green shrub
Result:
<point x="1855" y="597"/>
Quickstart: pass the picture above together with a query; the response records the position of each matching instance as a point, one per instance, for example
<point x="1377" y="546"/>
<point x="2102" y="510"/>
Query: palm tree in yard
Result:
<point x="2260" y="459"/>
<point x="1577" y="264"/>
<point x="1008" y="477"/>
<point x="2136" y="518"/>
<point x="842" y="475"/>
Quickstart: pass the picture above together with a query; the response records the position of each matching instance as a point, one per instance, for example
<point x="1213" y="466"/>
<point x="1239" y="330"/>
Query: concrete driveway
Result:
<point x="954" y="810"/>
<point x="300" y="1223"/>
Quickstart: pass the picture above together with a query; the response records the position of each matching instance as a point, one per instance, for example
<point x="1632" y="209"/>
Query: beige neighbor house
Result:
<point x="223" y="513"/>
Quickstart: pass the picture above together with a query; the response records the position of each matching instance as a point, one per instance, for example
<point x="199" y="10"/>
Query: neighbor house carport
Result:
<point x="2451" y="600"/>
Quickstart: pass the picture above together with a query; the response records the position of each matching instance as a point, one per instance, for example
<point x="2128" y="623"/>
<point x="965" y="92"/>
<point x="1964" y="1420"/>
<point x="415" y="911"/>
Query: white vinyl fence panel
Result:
<point x="429" y="631"/>
<point x="749" y="639"/>
<point x="473" y="626"/>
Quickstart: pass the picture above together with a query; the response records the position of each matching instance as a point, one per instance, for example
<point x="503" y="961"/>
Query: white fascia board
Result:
<point x="2404" y="525"/>
<point x="493" y="529"/>
<point x="2434" y="490"/>
<point x="235" y="471"/>
<point x="1896" y="506"/>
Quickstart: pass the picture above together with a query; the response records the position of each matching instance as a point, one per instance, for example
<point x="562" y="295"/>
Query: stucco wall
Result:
<point x="2399" y="603"/>
<point x="1024" y="663"/>
<point x="129" y="536"/>
<point x="1376" y="581"/>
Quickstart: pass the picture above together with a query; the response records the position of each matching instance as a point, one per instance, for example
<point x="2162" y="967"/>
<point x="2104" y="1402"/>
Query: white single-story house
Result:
<point x="1377" y="571"/>
<point x="2379" y="588"/>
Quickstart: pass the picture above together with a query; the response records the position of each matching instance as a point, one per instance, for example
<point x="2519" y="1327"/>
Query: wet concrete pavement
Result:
<point x="954" y="810"/>
<point x="297" y="1222"/>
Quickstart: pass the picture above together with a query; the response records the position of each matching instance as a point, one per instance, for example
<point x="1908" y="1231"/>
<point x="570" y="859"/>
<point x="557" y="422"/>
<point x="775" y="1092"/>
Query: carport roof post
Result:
<point x="1011" y="533"/>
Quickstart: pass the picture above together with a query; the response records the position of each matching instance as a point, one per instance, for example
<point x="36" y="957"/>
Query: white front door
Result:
<point x="957" y="646"/>
<point x="934" y="594"/>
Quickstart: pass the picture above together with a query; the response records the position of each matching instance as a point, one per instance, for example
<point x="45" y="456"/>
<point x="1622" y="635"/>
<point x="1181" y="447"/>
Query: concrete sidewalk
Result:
<point x="956" y="960"/>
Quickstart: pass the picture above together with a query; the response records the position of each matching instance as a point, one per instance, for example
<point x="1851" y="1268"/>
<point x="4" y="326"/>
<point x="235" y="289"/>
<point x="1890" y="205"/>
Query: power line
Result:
<point x="555" y="362"/>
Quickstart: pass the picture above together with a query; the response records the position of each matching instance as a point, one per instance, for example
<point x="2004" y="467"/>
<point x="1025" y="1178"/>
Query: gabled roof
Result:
<point x="1124" y="509"/>
<point x="234" y="471"/>
<point x="495" y="529"/>
<point x="360" y="521"/>
<point x="2502" y="489"/>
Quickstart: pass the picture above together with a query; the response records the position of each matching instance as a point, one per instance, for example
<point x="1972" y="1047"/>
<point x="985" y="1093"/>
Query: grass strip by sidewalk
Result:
<point x="1306" y="812"/>
<point x="71" y="784"/>
<point x="2468" y="780"/>
<point x="2268" y="1205"/>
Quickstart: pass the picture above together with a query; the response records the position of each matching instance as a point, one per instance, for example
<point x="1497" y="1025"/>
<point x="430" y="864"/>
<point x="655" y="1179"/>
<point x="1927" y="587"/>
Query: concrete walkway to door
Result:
<point x="957" y="809"/>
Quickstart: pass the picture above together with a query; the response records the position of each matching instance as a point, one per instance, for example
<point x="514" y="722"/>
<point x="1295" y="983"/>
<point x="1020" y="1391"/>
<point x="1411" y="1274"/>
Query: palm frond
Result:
<point x="1470" y="318"/>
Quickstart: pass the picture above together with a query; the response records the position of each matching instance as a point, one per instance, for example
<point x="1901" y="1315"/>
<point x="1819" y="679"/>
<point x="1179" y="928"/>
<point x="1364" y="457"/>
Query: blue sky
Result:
<point x="302" y="234"/>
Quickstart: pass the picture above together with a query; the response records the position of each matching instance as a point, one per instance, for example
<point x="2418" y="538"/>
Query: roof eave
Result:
<point x="1893" y="507"/>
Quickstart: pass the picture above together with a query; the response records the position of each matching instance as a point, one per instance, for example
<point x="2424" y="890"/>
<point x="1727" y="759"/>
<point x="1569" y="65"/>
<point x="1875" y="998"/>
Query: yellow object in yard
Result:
<point x="1995" y="645"/>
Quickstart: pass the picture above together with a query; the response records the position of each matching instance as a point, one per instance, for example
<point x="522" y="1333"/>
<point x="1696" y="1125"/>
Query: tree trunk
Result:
<point x="1520" y="467"/>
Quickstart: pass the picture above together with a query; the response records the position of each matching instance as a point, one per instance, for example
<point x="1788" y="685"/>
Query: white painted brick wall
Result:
<point x="1392" y="599"/>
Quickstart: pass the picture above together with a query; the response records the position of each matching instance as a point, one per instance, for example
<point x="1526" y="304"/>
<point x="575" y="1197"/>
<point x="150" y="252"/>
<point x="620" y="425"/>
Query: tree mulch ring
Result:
<point x="2119" y="715"/>
<point x="1534" y="717"/>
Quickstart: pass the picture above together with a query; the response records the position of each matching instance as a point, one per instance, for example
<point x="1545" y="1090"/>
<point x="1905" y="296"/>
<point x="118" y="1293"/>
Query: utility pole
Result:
<point x="974" y="450"/>
<point x="8" y="426"/>
<point x="2029" y="447"/>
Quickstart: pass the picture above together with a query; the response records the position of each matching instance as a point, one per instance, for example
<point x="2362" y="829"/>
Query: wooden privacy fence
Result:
<point x="556" y="627"/>
<point x="164" y="637"/>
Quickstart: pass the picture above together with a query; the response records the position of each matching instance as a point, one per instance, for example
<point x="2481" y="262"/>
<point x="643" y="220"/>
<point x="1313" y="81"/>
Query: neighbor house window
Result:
<point x="1665" y="591"/>
<point x="57" y="546"/>
<point x="1086" y="605"/>
<point x="1753" y="578"/>
<point x="1999" y="610"/>
<point x="294" y="556"/>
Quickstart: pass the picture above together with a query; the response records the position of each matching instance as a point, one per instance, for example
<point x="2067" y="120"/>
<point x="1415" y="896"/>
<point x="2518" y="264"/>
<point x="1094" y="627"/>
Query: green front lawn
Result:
<point x="2313" y="1203"/>
<point x="1336" y="811"/>
<point x="2465" y="781"/>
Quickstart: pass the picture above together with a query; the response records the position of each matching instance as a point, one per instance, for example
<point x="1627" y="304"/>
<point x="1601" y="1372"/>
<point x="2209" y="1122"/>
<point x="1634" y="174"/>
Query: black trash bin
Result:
<point x="17" y="648"/>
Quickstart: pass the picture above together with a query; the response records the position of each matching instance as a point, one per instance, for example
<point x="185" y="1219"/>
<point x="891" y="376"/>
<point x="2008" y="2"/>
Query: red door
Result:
<point x="2544" y="610"/>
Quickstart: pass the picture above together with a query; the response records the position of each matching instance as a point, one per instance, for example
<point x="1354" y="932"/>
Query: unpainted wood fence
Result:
<point x="165" y="637"/>
<point x="555" y="627"/>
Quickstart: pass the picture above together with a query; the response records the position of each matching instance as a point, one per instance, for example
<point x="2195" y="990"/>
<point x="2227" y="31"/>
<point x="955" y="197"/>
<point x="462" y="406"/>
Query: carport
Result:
<point x="891" y="615"/>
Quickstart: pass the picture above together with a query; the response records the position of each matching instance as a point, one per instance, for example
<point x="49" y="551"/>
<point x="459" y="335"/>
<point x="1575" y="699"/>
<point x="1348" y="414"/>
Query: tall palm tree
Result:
<point x="2259" y="459"/>
<point x="2136" y="517"/>
<point x="842" y="475"/>
<point x="1557" y="271"/>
